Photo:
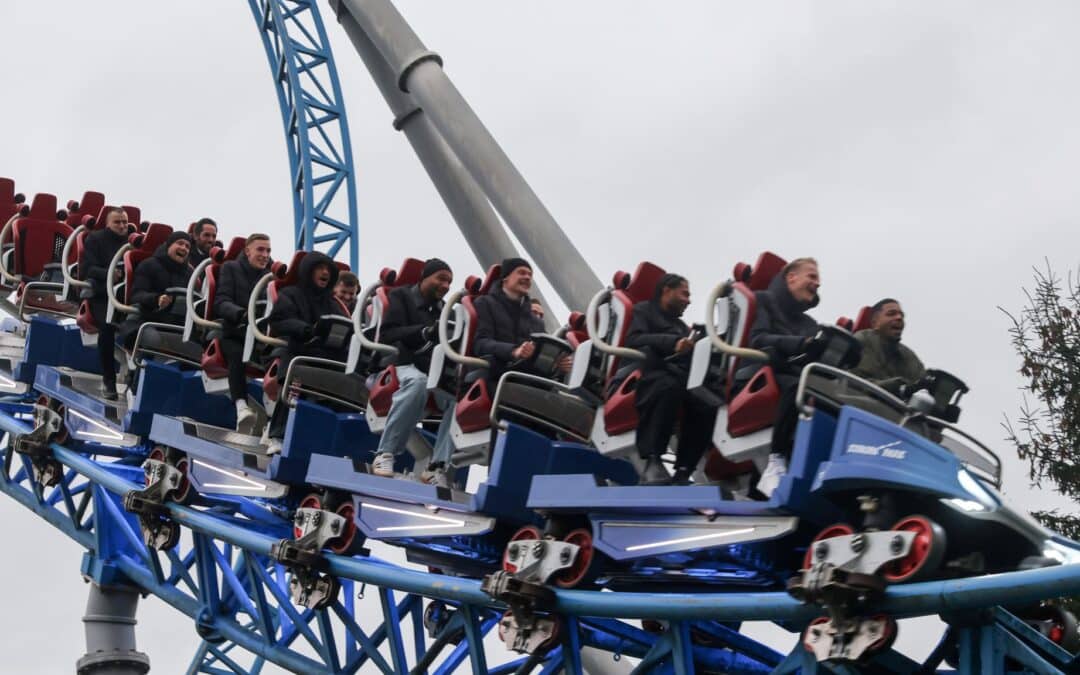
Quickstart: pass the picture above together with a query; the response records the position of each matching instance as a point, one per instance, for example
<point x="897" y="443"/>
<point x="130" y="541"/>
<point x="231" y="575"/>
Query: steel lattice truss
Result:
<point x="323" y="182"/>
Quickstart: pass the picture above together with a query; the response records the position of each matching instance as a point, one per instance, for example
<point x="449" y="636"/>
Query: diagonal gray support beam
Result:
<point x="419" y="73"/>
<point x="463" y="196"/>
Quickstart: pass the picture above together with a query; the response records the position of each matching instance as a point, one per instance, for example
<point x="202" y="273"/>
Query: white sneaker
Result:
<point x="438" y="476"/>
<point x="383" y="465"/>
<point x="770" y="477"/>
<point x="245" y="417"/>
<point x="273" y="446"/>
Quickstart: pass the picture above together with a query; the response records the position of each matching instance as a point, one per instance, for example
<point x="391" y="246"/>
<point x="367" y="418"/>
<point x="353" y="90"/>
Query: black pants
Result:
<point x="787" y="416"/>
<point x="280" y="417"/>
<point x="660" y="397"/>
<point x="232" y="350"/>
<point x="106" y="342"/>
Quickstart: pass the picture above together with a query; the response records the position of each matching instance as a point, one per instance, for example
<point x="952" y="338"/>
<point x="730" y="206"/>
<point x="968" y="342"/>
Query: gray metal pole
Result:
<point x="462" y="195"/>
<point x="419" y="72"/>
<point x="110" y="634"/>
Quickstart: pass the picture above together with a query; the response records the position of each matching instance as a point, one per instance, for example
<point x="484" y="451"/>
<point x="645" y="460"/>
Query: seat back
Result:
<point x="145" y="245"/>
<point x="445" y="375"/>
<point x="407" y="275"/>
<point x="38" y="239"/>
<point x="10" y="201"/>
<point x="90" y="205"/>
<point x="629" y="289"/>
<point x="204" y="304"/>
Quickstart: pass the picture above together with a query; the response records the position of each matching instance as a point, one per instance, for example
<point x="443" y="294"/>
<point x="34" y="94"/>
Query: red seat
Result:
<point x="620" y="415"/>
<point x="10" y="201"/>
<point x="474" y="407"/>
<point x="90" y="205"/>
<point x="213" y="360"/>
<point x="384" y="385"/>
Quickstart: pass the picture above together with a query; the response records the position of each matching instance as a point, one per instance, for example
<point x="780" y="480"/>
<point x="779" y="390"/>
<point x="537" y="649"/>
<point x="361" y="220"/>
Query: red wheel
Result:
<point x="311" y="501"/>
<point x="573" y="575"/>
<point x="835" y="530"/>
<point x="811" y="636"/>
<point x="183" y="493"/>
<point x="888" y="634"/>
<point x="926" y="554"/>
<point x="343" y="543"/>
<point x="524" y="534"/>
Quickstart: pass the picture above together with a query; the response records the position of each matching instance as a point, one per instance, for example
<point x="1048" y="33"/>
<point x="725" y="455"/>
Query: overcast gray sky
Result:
<point x="927" y="151"/>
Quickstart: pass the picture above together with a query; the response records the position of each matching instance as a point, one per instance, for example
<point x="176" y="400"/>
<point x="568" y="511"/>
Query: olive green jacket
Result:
<point x="884" y="360"/>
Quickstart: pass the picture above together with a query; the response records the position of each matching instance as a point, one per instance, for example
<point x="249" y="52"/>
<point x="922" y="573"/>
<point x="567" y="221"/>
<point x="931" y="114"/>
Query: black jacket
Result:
<point x="781" y="325"/>
<point x="151" y="278"/>
<point x="299" y="306"/>
<point x="655" y="333"/>
<point x="502" y="325"/>
<point x="196" y="256"/>
<point x="235" y="281"/>
<point x="403" y="325"/>
<point x="99" y="247"/>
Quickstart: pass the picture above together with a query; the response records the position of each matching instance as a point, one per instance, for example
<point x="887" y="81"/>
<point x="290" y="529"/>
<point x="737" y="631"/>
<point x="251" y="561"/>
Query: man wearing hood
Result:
<point x="667" y="342"/>
<point x="235" y="282"/>
<point x="167" y="268"/>
<point x="98" y="250"/>
<point x="885" y="361"/>
<point x="293" y="318"/>
<point x="782" y="328"/>
<point x="410" y="325"/>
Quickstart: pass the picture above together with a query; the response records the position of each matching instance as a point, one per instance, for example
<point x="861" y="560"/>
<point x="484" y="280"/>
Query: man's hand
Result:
<point x="524" y="350"/>
<point x="118" y="274"/>
<point x="565" y="362"/>
<point x="429" y="333"/>
<point x="164" y="301"/>
<point x="684" y="345"/>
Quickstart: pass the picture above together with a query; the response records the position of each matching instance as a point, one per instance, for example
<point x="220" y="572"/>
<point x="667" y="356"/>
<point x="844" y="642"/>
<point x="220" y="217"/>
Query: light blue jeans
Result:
<point x="407" y="410"/>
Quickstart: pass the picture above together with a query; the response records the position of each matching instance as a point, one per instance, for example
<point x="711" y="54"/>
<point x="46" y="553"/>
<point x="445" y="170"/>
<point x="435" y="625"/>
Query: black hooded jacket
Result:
<point x="235" y="281"/>
<point x="99" y="247"/>
<point x="656" y="333"/>
<point x="299" y="306"/>
<point x="408" y="314"/>
<point x="502" y="325"/>
<point x="781" y="325"/>
<point x="151" y="278"/>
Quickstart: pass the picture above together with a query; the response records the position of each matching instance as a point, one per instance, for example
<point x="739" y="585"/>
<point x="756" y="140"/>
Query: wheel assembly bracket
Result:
<point x="308" y="586"/>
<point x="848" y="639"/>
<point x="159" y="531"/>
<point x="524" y="628"/>
<point x="35" y="446"/>
<point x="537" y="560"/>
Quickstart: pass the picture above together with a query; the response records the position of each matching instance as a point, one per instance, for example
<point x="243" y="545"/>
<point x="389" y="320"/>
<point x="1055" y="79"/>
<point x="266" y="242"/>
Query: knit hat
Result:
<point x="433" y="266"/>
<point x="511" y="264"/>
<point x="177" y="236"/>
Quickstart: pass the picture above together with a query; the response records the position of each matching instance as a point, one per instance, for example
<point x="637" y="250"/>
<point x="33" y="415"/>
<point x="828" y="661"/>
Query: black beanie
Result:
<point x="511" y="264"/>
<point x="175" y="237"/>
<point x="433" y="266"/>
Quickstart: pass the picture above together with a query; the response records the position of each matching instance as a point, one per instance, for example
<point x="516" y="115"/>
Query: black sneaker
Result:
<point x="655" y="473"/>
<point x="108" y="391"/>
<point x="682" y="476"/>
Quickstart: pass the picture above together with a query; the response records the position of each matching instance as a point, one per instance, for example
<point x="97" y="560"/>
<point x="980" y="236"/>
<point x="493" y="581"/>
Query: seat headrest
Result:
<point x="43" y="207"/>
<point x="292" y="270"/>
<point x="642" y="283"/>
<point x="620" y="280"/>
<point x="235" y="248"/>
<point x="90" y="204"/>
<point x="742" y="272"/>
<point x="409" y="274"/>
<point x="862" y="319"/>
<point x="7" y="191"/>
<point x="493" y="276"/>
<point x="768" y="265"/>
<point x="134" y="215"/>
<point x="388" y="276"/>
<point x="846" y="323"/>
<point x="156" y="234"/>
<point x="279" y="269"/>
<point x="473" y="284"/>
<point x="576" y="321"/>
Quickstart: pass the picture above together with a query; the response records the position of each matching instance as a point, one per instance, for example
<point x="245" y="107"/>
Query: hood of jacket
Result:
<point x="303" y="276"/>
<point x="162" y="254"/>
<point x="785" y="301"/>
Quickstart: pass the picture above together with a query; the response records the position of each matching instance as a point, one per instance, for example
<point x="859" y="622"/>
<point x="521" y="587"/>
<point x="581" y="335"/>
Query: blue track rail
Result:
<point x="225" y="580"/>
<point x="323" y="180"/>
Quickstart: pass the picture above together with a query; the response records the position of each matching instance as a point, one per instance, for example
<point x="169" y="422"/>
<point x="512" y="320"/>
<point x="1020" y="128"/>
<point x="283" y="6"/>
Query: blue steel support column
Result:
<point x="323" y="180"/>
